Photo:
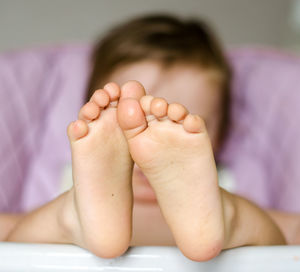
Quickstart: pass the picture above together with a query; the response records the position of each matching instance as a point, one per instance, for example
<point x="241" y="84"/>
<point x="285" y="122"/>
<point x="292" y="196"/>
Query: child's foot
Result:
<point x="173" y="150"/>
<point x="102" y="171"/>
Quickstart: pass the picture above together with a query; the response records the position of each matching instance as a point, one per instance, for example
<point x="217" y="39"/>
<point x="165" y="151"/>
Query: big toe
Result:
<point x="131" y="117"/>
<point x="132" y="89"/>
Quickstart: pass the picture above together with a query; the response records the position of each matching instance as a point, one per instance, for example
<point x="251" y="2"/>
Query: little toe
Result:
<point x="77" y="130"/>
<point x="131" y="117"/>
<point x="101" y="98"/>
<point x="177" y="112"/>
<point x="159" y="107"/>
<point x="193" y="123"/>
<point x="90" y="111"/>
<point x="132" y="89"/>
<point x="113" y="91"/>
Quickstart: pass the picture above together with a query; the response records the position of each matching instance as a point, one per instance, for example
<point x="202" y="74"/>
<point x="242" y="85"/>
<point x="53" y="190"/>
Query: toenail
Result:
<point x="150" y="118"/>
<point x="113" y="104"/>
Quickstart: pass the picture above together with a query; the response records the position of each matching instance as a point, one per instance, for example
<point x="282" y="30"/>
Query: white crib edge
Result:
<point x="54" y="258"/>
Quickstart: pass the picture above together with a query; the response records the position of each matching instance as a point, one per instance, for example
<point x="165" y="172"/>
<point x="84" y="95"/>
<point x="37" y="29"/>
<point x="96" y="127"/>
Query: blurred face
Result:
<point x="197" y="89"/>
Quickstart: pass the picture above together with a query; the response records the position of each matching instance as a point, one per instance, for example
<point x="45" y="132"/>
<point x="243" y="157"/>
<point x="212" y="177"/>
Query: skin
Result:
<point x="8" y="222"/>
<point x="289" y="223"/>
<point x="239" y="221"/>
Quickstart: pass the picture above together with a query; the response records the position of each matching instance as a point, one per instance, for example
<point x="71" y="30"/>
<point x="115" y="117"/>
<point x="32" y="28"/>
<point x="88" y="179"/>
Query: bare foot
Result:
<point x="173" y="150"/>
<point x="102" y="171"/>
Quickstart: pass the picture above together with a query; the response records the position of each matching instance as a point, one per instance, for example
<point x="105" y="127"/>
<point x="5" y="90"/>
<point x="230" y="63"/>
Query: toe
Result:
<point x="113" y="91"/>
<point x="194" y="124"/>
<point x="145" y="102"/>
<point x="89" y="111"/>
<point x="101" y="98"/>
<point x="77" y="130"/>
<point x="159" y="107"/>
<point x="131" y="117"/>
<point x="132" y="89"/>
<point x="177" y="112"/>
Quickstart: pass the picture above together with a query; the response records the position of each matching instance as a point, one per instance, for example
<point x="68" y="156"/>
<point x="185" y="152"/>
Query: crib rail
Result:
<point x="55" y="258"/>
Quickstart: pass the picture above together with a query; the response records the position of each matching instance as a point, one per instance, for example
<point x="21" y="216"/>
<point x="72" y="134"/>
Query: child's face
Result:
<point x="197" y="89"/>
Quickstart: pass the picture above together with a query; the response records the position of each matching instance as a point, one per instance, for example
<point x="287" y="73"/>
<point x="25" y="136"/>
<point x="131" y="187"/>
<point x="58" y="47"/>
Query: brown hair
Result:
<point x="166" y="39"/>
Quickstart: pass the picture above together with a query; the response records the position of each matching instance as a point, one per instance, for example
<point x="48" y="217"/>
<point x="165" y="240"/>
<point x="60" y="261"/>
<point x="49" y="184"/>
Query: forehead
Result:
<point x="194" y="87"/>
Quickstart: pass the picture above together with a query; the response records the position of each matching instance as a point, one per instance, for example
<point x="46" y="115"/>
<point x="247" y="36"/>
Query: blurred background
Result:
<point x="33" y="23"/>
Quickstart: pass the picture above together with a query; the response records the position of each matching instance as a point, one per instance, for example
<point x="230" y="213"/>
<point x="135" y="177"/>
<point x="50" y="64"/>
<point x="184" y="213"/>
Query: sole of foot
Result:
<point x="173" y="149"/>
<point x="102" y="171"/>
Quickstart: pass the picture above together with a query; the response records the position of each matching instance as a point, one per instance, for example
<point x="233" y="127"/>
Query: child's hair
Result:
<point x="167" y="40"/>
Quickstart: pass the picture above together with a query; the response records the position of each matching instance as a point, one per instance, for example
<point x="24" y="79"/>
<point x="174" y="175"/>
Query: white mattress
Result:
<point x="54" y="258"/>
